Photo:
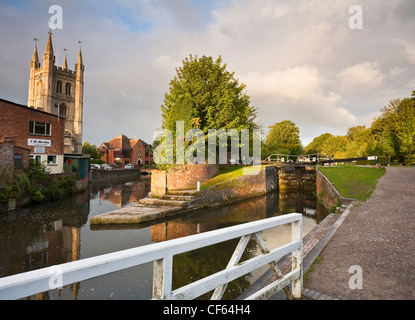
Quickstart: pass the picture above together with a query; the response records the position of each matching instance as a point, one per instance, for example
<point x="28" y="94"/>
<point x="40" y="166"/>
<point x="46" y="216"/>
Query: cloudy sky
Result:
<point x="299" y="59"/>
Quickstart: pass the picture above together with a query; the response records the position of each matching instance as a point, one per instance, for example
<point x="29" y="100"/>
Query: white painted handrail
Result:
<point x="33" y="282"/>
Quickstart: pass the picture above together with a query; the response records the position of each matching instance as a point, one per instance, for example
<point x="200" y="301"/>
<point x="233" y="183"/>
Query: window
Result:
<point x="59" y="87"/>
<point x="52" y="160"/>
<point x="40" y="128"/>
<point x="63" y="110"/>
<point x="68" y="89"/>
<point x="18" y="160"/>
<point x="35" y="158"/>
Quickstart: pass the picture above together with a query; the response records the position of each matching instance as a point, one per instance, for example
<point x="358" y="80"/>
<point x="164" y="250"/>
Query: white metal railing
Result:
<point x="33" y="282"/>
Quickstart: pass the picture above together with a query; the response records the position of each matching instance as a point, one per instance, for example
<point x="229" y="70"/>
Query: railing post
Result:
<point x="297" y="257"/>
<point x="162" y="278"/>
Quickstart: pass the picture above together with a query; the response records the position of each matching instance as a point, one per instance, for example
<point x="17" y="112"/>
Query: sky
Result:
<point x="300" y="59"/>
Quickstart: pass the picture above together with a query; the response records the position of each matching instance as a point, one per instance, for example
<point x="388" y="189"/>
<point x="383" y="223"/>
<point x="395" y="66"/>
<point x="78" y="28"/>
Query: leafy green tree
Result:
<point x="316" y="146"/>
<point x="388" y="144"/>
<point x="284" y="138"/>
<point x="335" y="147"/>
<point x="91" y="149"/>
<point x="358" y="141"/>
<point x="405" y="126"/>
<point x="384" y="132"/>
<point x="205" y="96"/>
<point x="394" y="130"/>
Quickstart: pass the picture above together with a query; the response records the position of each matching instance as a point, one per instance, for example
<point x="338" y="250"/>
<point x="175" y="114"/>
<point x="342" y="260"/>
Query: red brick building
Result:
<point x="126" y="151"/>
<point x="33" y="133"/>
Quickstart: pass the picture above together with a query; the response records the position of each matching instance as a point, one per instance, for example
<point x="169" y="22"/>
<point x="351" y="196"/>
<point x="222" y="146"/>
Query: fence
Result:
<point x="33" y="282"/>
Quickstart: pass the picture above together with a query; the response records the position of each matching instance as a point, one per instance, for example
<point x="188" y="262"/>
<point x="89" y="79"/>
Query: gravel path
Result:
<point x="379" y="237"/>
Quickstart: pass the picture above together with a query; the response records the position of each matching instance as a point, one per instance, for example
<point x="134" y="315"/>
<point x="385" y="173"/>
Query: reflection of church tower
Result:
<point x="71" y="251"/>
<point x="59" y="91"/>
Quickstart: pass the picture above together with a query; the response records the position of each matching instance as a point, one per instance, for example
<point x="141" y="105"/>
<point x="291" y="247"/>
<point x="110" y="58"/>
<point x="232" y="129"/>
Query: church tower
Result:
<point x="59" y="91"/>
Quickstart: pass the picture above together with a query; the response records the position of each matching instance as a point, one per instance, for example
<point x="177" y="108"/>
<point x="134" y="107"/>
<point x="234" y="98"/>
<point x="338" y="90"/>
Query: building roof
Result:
<point x="26" y="107"/>
<point x="122" y="142"/>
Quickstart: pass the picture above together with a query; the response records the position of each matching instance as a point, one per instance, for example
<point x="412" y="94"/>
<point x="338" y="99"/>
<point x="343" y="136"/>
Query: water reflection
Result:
<point x="50" y="234"/>
<point x="197" y="264"/>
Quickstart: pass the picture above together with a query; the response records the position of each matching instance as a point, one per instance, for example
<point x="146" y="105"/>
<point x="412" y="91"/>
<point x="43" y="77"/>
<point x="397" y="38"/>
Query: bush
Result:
<point x="96" y="161"/>
<point x="38" y="196"/>
<point x="17" y="189"/>
<point x="55" y="189"/>
<point x="38" y="185"/>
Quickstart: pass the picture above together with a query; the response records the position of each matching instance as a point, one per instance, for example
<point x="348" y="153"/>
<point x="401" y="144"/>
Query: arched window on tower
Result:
<point x="59" y="87"/>
<point x="63" y="110"/>
<point x="68" y="89"/>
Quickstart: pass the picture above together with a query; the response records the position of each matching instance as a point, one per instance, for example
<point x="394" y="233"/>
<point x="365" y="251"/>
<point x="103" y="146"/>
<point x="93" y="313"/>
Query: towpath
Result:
<point x="372" y="254"/>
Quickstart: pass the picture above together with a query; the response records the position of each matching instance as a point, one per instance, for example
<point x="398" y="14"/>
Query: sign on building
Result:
<point x="39" y="149"/>
<point x="38" y="142"/>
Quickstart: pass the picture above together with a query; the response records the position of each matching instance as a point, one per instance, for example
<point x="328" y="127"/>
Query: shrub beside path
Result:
<point x="378" y="236"/>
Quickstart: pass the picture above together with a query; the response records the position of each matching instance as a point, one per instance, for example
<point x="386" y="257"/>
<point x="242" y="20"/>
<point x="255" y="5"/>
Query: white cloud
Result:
<point x="362" y="77"/>
<point x="281" y="85"/>
<point x="409" y="51"/>
<point x="297" y="94"/>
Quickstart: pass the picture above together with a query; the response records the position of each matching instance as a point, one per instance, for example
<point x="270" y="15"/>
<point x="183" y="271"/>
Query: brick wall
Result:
<point x="6" y="152"/>
<point x="25" y="152"/>
<point x="139" y="148"/>
<point x="14" y="123"/>
<point x="6" y="162"/>
<point x="158" y="182"/>
<point x="186" y="176"/>
<point x="181" y="177"/>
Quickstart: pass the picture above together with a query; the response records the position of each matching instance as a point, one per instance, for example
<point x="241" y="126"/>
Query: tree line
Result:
<point x="391" y="137"/>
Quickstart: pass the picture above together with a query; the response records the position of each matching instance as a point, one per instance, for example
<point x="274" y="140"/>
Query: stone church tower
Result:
<point x="59" y="91"/>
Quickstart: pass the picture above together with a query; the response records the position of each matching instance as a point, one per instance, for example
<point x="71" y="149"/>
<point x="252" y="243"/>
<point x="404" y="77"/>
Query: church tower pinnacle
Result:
<point x="35" y="59"/>
<point x="65" y="64"/>
<point x="48" y="54"/>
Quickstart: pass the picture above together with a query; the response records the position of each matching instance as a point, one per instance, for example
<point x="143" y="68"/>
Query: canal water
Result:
<point x="49" y="234"/>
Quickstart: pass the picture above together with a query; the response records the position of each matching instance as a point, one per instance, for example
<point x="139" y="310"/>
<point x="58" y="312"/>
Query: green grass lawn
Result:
<point x="352" y="181"/>
<point x="226" y="174"/>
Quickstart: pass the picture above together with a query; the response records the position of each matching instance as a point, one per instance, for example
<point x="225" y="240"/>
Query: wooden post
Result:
<point x="297" y="258"/>
<point x="162" y="278"/>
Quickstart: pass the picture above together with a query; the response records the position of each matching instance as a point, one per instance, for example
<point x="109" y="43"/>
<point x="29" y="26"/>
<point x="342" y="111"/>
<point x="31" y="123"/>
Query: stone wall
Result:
<point x="243" y="187"/>
<point x="327" y="194"/>
<point x="181" y="177"/>
<point x="114" y="175"/>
